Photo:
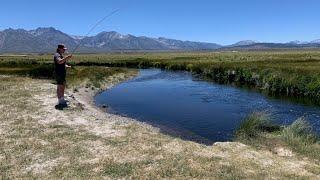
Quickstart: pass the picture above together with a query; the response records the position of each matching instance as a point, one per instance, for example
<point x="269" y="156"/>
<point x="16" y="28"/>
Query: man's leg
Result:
<point x="60" y="93"/>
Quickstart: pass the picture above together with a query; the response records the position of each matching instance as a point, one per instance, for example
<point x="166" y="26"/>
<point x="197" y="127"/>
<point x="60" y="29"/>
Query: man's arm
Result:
<point x="63" y="60"/>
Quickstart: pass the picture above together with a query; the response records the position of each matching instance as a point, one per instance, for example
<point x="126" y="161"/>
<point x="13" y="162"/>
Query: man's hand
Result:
<point x="69" y="56"/>
<point x="67" y="66"/>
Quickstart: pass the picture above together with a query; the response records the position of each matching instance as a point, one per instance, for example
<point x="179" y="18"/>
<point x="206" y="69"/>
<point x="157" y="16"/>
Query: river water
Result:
<point x="184" y="106"/>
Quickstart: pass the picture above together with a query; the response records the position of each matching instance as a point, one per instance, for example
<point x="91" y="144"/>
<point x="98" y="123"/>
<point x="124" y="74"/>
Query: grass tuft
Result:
<point x="301" y="138"/>
<point x="254" y="125"/>
<point x="300" y="131"/>
<point x="117" y="170"/>
<point x="258" y="130"/>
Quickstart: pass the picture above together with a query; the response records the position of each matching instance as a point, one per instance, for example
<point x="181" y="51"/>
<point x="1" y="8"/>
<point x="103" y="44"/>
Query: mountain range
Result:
<point x="44" y="40"/>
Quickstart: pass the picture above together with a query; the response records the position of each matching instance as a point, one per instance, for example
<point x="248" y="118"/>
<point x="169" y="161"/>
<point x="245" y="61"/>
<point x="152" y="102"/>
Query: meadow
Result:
<point x="55" y="149"/>
<point x="284" y="73"/>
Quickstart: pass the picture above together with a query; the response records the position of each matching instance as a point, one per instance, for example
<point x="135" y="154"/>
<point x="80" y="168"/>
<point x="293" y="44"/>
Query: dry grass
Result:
<point x="83" y="142"/>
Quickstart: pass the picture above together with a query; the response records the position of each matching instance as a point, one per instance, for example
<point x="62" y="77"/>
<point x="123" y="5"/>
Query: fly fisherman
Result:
<point x="60" y="72"/>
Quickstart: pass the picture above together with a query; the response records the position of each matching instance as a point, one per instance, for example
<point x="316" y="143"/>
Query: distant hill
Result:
<point x="254" y="45"/>
<point x="244" y="43"/>
<point x="43" y="40"/>
<point x="272" y="46"/>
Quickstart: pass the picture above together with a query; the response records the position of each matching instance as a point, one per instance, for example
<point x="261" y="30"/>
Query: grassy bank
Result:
<point x="93" y="75"/>
<point x="287" y="73"/>
<point x="259" y="130"/>
<point x="82" y="142"/>
<point x="37" y="141"/>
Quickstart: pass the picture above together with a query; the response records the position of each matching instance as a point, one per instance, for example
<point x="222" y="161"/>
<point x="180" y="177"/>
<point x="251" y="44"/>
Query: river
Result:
<point x="182" y="105"/>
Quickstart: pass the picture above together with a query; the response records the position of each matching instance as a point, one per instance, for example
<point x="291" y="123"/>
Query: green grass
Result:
<point x="259" y="130"/>
<point x="300" y="131"/>
<point x="118" y="170"/>
<point x="255" y="125"/>
<point x="285" y="73"/>
<point x="93" y="75"/>
<point x="300" y="137"/>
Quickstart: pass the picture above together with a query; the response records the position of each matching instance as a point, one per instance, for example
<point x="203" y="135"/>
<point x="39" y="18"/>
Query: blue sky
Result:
<point x="219" y="21"/>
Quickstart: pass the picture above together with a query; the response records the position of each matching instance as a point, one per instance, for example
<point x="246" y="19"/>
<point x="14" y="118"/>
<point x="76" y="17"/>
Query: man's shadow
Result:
<point x="61" y="106"/>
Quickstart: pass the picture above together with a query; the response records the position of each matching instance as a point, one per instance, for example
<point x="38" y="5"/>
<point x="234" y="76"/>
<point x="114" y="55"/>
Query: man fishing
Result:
<point x="60" y="72"/>
<point x="60" y="64"/>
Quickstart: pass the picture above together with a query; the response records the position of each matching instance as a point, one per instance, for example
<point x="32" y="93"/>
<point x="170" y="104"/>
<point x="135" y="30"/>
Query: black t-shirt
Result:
<point x="60" y="69"/>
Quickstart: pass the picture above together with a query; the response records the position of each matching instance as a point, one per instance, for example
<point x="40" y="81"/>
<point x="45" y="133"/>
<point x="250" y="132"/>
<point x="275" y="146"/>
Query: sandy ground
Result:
<point x="81" y="110"/>
<point x="118" y="147"/>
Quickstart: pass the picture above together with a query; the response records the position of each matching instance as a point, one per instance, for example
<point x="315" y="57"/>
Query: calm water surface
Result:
<point x="196" y="110"/>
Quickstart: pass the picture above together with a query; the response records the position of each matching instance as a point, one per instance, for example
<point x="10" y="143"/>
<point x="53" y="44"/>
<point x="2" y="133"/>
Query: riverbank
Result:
<point x="83" y="141"/>
<point x="277" y="73"/>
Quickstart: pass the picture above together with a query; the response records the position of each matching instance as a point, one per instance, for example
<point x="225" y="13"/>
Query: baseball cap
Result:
<point x="62" y="46"/>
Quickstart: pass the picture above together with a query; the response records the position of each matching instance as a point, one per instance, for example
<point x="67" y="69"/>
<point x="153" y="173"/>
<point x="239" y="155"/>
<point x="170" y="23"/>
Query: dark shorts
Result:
<point x="61" y="79"/>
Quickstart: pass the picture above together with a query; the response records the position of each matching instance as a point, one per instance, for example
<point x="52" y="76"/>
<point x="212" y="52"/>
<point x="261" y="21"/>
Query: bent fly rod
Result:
<point x="93" y="27"/>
